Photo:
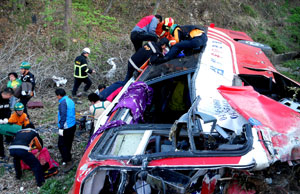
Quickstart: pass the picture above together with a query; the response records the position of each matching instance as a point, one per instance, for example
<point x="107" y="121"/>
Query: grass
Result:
<point x="249" y="10"/>
<point x="57" y="186"/>
<point x="294" y="66"/>
<point x="2" y="171"/>
<point x="271" y="38"/>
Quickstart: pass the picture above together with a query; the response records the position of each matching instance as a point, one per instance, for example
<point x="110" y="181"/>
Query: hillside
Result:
<point x="35" y="31"/>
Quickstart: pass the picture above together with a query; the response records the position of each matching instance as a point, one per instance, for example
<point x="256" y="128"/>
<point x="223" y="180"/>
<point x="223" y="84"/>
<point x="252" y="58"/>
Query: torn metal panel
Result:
<point x="277" y="122"/>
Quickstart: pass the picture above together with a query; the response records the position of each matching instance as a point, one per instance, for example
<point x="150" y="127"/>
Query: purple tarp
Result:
<point x="136" y="98"/>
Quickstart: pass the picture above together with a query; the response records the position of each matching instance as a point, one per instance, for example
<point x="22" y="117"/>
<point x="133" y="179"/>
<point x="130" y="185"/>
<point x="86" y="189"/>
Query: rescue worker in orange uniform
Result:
<point x="19" y="117"/>
<point x="162" y="30"/>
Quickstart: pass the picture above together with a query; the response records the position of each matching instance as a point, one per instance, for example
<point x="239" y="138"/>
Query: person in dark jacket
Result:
<point x="5" y="113"/>
<point x="151" y="51"/>
<point x="81" y="71"/>
<point x="26" y="140"/>
<point x="67" y="127"/>
<point x="145" y="31"/>
<point x="187" y="37"/>
<point x="28" y="84"/>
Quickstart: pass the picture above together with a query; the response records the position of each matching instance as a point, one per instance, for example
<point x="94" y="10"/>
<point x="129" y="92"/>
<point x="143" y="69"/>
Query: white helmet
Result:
<point x="86" y="50"/>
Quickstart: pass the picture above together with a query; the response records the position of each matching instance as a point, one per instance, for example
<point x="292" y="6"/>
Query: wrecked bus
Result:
<point x="192" y="124"/>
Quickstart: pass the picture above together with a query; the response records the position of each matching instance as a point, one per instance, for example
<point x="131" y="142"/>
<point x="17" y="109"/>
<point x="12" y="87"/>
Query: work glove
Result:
<point x="61" y="132"/>
<point x="5" y="121"/>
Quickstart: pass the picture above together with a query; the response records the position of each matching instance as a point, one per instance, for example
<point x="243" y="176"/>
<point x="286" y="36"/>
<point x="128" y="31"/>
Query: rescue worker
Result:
<point x="28" y="84"/>
<point x="81" y="71"/>
<point x="163" y="28"/>
<point x="187" y="37"/>
<point x="26" y="140"/>
<point x="4" y="115"/>
<point x="19" y="117"/>
<point x="67" y="127"/>
<point x="151" y="51"/>
<point x="145" y="31"/>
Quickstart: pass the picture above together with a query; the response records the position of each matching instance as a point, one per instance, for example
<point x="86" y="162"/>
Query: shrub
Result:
<point x="249" y="10"/>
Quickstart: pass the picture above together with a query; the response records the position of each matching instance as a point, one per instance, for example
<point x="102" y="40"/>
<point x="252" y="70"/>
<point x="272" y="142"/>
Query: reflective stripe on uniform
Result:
<point x="172" y="42"/>
<point x="163" y="32"/>
<point x="152" y="47"/>
<point x="19" y="147"/>
<point x="133" y="65"/>
<point x="79" y="67"/>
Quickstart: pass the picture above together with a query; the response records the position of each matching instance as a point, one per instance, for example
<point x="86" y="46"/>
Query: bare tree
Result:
<point x="156" y="7"/>
<point x="67" y="16"/>
<point x="108" y="7"/>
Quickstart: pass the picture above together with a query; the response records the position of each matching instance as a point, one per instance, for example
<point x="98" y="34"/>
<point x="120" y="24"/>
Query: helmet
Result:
<point x="25" y="65"/>
<point x="86" y="50"/>
<point x="168" y="23"/>
<point x="173" y="28"/>
<point x="19" y="106"/>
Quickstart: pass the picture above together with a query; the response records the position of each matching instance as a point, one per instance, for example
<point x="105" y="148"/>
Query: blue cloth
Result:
<point x="12" y="102"/>
<point x="110" y="89"/>
<point x="66" y="113"/>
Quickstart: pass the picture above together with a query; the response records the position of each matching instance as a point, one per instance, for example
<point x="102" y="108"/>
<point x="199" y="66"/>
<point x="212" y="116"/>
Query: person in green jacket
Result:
<point x="15" y="84"/>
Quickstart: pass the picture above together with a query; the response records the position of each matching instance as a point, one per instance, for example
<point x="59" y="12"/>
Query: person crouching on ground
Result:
<point x="19" y="117"/>
<point x="25" y="140"/>
<point x="67" y="127"/>
<point x="151" y="51"/>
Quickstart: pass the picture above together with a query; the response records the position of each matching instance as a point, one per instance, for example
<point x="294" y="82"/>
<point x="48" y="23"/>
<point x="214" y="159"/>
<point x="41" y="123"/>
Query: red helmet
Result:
<point x="168" y="23"/>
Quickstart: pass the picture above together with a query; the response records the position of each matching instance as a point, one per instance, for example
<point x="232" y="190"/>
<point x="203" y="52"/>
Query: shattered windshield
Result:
<point x="171" y="67"/>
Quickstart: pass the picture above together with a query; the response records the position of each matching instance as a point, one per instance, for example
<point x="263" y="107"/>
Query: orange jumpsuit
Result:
<point x="19" y="120"/>
<point x="162" y="34"/>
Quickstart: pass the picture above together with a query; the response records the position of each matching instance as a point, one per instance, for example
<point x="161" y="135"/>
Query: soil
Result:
<point x="48" y="133"/>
